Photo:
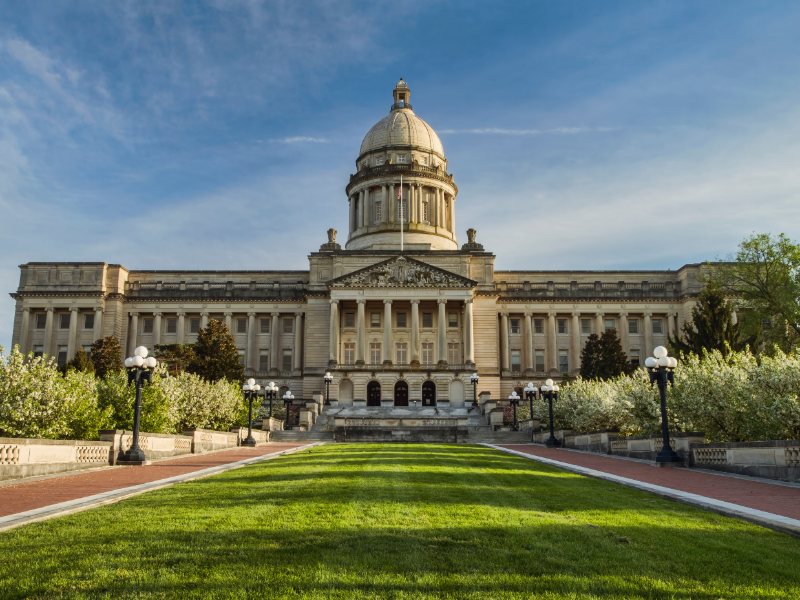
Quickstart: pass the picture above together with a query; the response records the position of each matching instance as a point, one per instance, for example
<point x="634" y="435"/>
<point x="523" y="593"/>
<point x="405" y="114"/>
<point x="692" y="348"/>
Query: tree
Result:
<point x="81" y="362"/>
<point x="216" y="356"/>
<point x="764" y="276"/>
<point x="176" y="357"/>
<point x="711" y="327"/>
<point x="106" y="356"/>
<point x="603" y="357"/>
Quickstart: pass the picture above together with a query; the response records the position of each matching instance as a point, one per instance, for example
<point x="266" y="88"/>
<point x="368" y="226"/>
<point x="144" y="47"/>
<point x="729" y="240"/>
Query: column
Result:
<point x="648" y="335"/>
<point x="415" y="332"/>
<point x="98" y="324"/>
<point x="181" y="327"/>
<point x="671" y="324"/>
<point x="73" y="332"/>
<point x="26" y="325"/>
<point x="418" y="207"/>
<point x="134" y="332"/>
<point x="384" y="203"/>
<point x="442" y="331"/>
<point x="228" y="316"/>
<point x="576" y="341"/>
<point x="410" y="204"/>
<point x="365" y="208"/>
<point x="361" y="328"/>
<point x="352" y="223"/>
<point x="552" y="346"/>
<point x="623" y="331"/>
<point x="156" y="328"/>
<point x="469" y="350"/>
<point x="359" y="209"/>
<point x="600" y="323"/>
<point x="250" y="362"/>
<point x="203" y="320"/>
<point x="528" y="343"/>
<point x="274" y="343"/>
<point x="452" y="224"/>
<point x="504" y="360"/>
<point x="390" y="204"/>
<point x="48" y="332"/>
<point x="434" y="208"/>
<point x="387" y="332"/>
<point x="333" y="357"/>
<point x="297" y="355"/>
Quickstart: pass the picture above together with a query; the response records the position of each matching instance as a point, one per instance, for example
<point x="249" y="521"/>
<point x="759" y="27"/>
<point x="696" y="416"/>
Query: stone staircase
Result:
<point x="298" y="435"/>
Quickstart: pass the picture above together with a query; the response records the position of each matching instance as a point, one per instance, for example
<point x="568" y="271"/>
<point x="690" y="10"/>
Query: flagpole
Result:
<point x="402" y="212"/>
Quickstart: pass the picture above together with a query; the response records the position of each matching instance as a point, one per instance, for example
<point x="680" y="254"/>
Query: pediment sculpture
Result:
<point x="403" y="272"/>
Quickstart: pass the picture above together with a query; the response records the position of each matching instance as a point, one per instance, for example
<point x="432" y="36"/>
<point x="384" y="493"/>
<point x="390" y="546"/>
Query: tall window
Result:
<point x="609" y="324"/>
<point x="539" y="355"/>
<point x="635" y="357"/>
<point x="375" y="319"/>
<point x="453" y="354"/>
<point x="538" y="326"/>
<point x="38" y="351"/>
<point x="375" y="354"/>
<point x="172" y="325"/>
<point x="194" y="325"/>
<point x="263" y="360"/>
<point x="241" y="325"/>
<point x="657" y="326"/>
<point x="349" y="353"/>
<point x="401" y="320"/>
<point x="88" y="321"/>
<point x="427" y="354"/>
<point x="288" y="325"/>
<point x="64" y="321"/>
<point x="425" y="211"/>
<point x="586" y="326"/>
<point x="41" y="320"/>
<point x="633" y="326"/>
<point x="452" y="319"/>
<point x="562" y="326"/>
<point x="264" y="325"/>
<point x="427" y="319"/>
<point x="378" y="212"/>
<point x="402" y="354"/>
<point x="514" y="325"/>
<point x="61" y="357"/>
<point x="287" y="360"/>
<point x="563" y="361"/>
<point x="147" y="326"/>
<point x="350" y="320"/>
<point x="401" y="211"/>
<point x="516" y="363"/>
<point x="241" y="357"/>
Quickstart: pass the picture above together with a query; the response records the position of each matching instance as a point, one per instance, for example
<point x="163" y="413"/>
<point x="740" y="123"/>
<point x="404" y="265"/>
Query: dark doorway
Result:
<point x="373" y="393"/>
<point x="428" y="394"/>
<point x="401" y="393"/>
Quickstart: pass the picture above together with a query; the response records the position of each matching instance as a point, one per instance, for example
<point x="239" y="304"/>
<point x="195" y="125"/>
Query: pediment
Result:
<point x="402" y="272"/>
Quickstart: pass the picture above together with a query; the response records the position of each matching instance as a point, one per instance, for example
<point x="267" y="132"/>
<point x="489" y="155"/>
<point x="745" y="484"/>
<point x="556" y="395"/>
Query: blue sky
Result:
<point x="221" y="135"/>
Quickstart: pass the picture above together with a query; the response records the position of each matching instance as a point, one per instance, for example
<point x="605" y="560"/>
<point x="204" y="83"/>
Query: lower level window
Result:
<point x="427" y="354"/>
<point x="61" y="357"/>
<point x="263" y="360"/>
<point x="87" y="350"/>
<point x="454" y="354"/>
<point x="635" y="358"/>
<point x="539" y="361"/>
<point x="172" y="325"/>
<point x="349" y="353"/>
<point x="563" y="361"/>
<point x="402" y="354"/>
<point x="287" y="360"/>
<point x="241" y="357"/>
<point x="515" y="361"/>
<point x="38" y="351"/>
<point x="375" y="354"/>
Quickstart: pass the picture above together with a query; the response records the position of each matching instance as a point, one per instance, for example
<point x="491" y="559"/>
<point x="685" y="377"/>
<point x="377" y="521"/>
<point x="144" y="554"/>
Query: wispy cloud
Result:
<point x="555" y="130"/>
<point x="299" y="138"/>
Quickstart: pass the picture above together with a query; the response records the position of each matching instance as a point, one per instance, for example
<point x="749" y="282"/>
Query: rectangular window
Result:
<point x="41" y="320"/>
<point x="88" y="321"/>
<point x="635" y="357"/>
<point x="609" y="324"/>
<point x="241" y="325"/>
<point x="454" y="354"/>
<point x="375" y="354"/>
<point x="378" y="212"/>
<point x="657" y="326"/>
<point x="538" y="326"/>
<point x="194" y="325"/>
<point x="375" y="319"/>
<point x="402" y="354"/>
<point x="425" y="211"/>
<point x="562" y="326"/>
<point x="633" y="326"/>
<point x="64" y="321"/>
<point x="87" y="350"/>
<point x="264" y="325"/>
<point x="288" y="325"/>
<point x="147" y="326"/>
<point x="350" y="320"/>
<point x="287" y="360"/>
<point x="349" y="353"/>
<point x="539" y="354"/>
<point x="263" y="360"/>
<point x="563" y="361"/>
<point x="427" y="319"/>
<point x="38" y="351"/>
<point x="427" y="354"/>
<point x="516" y="363"/>
<point x="401" y="320"/>
<point x="241" y="357"/>
<point x="401" y="211"/>
<point x="172" y="325"/>
<point x="514" y="325"/>
<point x="452" y="319"/>
<point x="586" y="326"/>
<point x="401" y="158"/>
<point x="61" y="357"/>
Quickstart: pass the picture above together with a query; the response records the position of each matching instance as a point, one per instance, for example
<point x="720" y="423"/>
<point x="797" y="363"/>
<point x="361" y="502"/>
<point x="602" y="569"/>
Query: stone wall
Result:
<point x="774" y="459"/>
<point x="21" y="457"/>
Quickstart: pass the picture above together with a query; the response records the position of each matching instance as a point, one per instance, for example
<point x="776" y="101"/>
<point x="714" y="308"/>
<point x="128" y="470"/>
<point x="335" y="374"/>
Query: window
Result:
<point x="609" y="324"/>
<point x="350" y="320"/>
<point x="375" y="354"/>
<point x="288" y="325"/>
<point x="425" y="212"/>
<point x="453" y="354"/>
<point x="172" y="325"/>
<point x="423" y="160"/>
<point x="586" y="326"/>
<point x="194" y="325"/>
<point x="635" y="358"/>
<point x="241" y="325"/>
<point x="563" y="361"/>
<point x="562" y="326"/>
<point x="427" y="354"/>
<point x="264" y="325"/>
<point x="375" y="319"/>
<point x="516" y="363"/>
<point x="61" y="356"/>
<point x="633" y="326"/>
<point x="349" y="353"/>
<point x="538" y="326"/>
<point x="38" y="351"/>
<point x="539" y="354"/>
<point x="64" y="320"/>
<point x="452" y="319"/>
<point x="401" y="158"/>
<point x="287" y="360"/>
<point x="401" y="211"/>
<point x="241" y="357"/>
<point x="263" y="360"/>
<point x="401" y="320"/>
<point x="41" y="320"/>
<point x="402" y="354"/>
<point x="87" y="350"/>
<point x="378" y="212"/>
<point x="514" y="325"/>
<point x="657" y="326"/>
<point x="88" y="321"/>
<point x="147" y="326"/>
<point x="427" y="319"/>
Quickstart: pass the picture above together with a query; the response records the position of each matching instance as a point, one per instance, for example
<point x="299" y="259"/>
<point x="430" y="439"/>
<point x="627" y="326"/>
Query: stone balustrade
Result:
<point x="540" y="437"/>
<point x="773" y="459"/>
<point x="261" y="437"/>
<point x="592" y="441"/>
<point x="154" y="445"/>
<point x="207" y="440"/>
<point x="22" y="457"/>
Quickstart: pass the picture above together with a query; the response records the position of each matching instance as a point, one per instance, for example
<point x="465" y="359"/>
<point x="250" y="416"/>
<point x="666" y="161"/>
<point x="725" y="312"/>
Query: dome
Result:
<point x="401" y="127"/>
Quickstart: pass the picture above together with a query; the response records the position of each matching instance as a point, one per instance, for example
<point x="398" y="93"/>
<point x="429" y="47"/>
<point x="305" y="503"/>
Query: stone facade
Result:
<point x="395" y="321"/>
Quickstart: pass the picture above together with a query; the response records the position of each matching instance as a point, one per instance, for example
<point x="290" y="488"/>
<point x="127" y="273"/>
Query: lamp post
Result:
<point x="474" y="379"/>
<point x="250" y="390"/>
<point x="530" y="392"/>
<point x="140" y="369"/>
<point x="660" y="367"/>
<point x="514" y="400"/>
<point x="287" y="402"/>
<point x="271" y="392"/>
<point x="550" y="391"/>
<point x="328" y="379"/>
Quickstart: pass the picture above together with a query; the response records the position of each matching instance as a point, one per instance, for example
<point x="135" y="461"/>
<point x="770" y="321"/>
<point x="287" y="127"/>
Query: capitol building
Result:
<point x="400" y="312"/>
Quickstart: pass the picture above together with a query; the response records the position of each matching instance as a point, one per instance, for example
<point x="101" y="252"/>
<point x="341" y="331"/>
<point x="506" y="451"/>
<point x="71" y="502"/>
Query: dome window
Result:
<point x="401" y="158"/>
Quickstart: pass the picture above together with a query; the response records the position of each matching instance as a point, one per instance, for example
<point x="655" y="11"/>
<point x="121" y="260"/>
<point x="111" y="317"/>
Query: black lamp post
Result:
<point x="250" y="390"/>
<point x="514" y="400"/>
<point x="474" y="379"/>
<point x="530" y="393"/>
<point x="550" y="391"/>
<point x="328" y="379"/>
<point x="660" y="367"/>
<point x="287" y="402"/>
<point x="140" y="369"/>
<point x="271" y="392"/>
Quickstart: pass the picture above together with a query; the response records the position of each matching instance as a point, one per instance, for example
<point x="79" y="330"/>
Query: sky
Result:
<point x="221" y="134"/>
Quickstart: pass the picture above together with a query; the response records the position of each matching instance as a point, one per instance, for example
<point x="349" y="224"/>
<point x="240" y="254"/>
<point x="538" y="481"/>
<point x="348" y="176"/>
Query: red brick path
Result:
<point x="26" y="496"/>
<point x="776" y="499"/>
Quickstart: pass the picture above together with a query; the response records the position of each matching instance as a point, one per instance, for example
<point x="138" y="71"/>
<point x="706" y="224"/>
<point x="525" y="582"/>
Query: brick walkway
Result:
<point x="768" y="497"/>
<point x="25" y="496"/>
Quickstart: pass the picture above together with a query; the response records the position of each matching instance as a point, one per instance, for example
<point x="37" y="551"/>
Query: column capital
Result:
<point x="26" y="309"/>
<point x="133" y="314"/>
<point x="157" y="314"/>
<point x="332" y="301"/>
<point x="204" y="314"/>
<point x="576" y="313"/>
<point x="468" y="301"/>
<point x="384" y="186"/>
<point x="503" y="314"/>
<point x="227" y="314"/>
<point x="250" y="314"/>
<point x="275" y="314"/>
<point x="74" y="309"/>
<point x="181" y="314"/>
<point x="528" y="314"/>
<point x="648" y="314"/>
<point x="441" y="300"/>
<point x="51" y="309"/>
<point x="387" y="302"/>
<point x="623" y="314"/>
<point x="99" y="309"/>
<point x="552" y="313"/>
<point x="361" y="301"/>
<point x="415" y="301"/>
<point x="600" y="314"/>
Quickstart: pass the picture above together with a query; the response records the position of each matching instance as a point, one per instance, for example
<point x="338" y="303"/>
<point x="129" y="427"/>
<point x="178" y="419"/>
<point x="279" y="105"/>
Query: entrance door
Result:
<point x="401" y="393"/>
<point x="373" y="393"/>
<point x="428" y="394"/>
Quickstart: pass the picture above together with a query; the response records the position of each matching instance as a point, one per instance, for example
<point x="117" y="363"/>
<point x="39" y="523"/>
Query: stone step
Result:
<point x="299" y="435"/>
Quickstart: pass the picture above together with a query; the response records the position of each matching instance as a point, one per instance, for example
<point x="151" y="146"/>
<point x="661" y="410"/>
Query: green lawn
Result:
<point x="397" y="521"/>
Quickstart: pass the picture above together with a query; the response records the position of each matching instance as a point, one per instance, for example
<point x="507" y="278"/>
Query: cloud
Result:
<point x="555" y="130"/>
<point x="300" y="138"/>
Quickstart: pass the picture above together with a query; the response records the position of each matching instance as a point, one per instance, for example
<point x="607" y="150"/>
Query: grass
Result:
<point x="397" y="521"/>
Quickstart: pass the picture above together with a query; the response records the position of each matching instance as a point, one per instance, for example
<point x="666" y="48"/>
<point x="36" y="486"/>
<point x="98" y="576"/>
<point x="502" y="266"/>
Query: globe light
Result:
<point x="271" y="386"/>
<point x="673" y="362"/>
<point x="555" y="388"/>
<point x="545" y="388"/>
<point x="137" y="361"/>
<point x="549" y="382"/>
<point x="664" y="361"/>
<point x="141" y="351"/>
<point x="529" y="387"/>
<point x="660" y="351"/>
<point x="150" y="362"/>
<point x="251" y="382"/>
<point x="246" y="387"/>
<point x="128" y="363"/>
<point x="256" y="387"/>
<point x="650" y="362"/>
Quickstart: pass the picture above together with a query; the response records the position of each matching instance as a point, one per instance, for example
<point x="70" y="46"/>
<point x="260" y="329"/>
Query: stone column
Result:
<point x="365" y="208"/>
<point x="434" y="209"/>
<point x="387" y="332"/>
<point x="228" y="323"/>
<point x="415" y="332"/>
<point x="251" y="341"/>
<point x="648" y="334"/>
<point x="26" y="325"/>
<point x="361" y="331"/>
<point x="297" y="355"/>
<point x="528" y="343"/>
<point x="418" y="206"/>
<point x="469" y="335"/>
<point x="504" y="360"/>
<point x="384" y="203"/>
<point x="134" y="333"/>
<point x="410" y="204"/>
<point x="552" y="346"/>
<point x="274" y="343"/>
<point x="181" y="327"/>
<point x="390" y="204"/>
<point x="452" y="226"/>
<point x="352" y="223"/>
<point x="576" y="340"/>
<point x="73" y="332"/>
<point x="600" y="323"/>
<point x="671" y="323"/>
<point x="442" y="331"/>
<point x="156" y="328"/>
<point x="623" y="331"/>
<point x="203" y="320"/>
<point x="98" y="324"/>
<point x="333" y="357"/>
<point x="48" y="332"/>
